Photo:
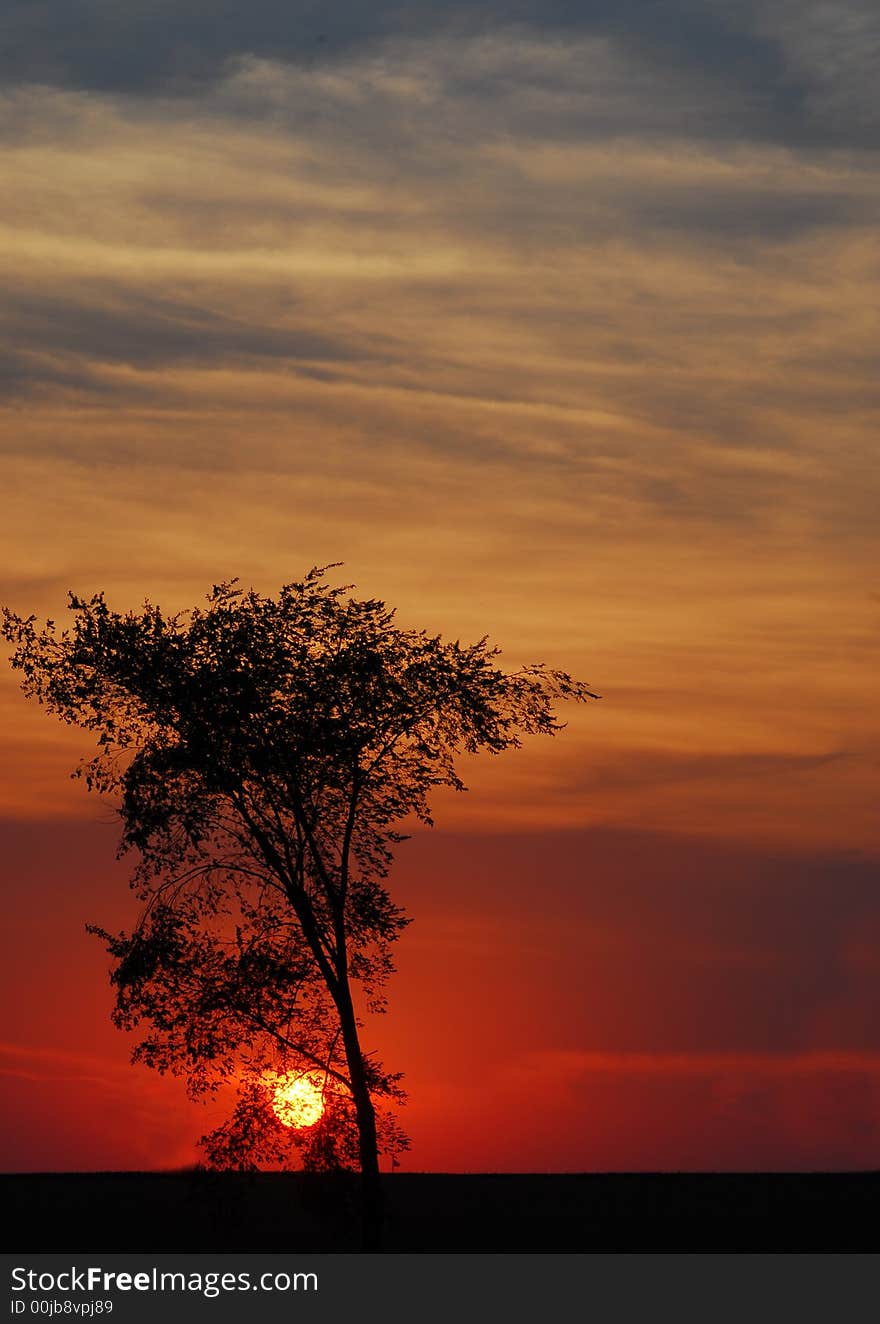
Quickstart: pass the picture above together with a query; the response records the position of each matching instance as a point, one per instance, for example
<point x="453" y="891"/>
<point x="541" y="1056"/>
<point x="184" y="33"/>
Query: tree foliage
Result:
<point x="264" y="755"/>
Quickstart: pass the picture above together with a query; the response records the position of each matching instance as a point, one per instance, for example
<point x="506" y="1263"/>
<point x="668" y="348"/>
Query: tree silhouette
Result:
<point x="263" y="754"/>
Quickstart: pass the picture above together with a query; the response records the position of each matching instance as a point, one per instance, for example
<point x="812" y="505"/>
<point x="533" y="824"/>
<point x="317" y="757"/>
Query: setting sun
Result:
<point x="297" y="1100"/>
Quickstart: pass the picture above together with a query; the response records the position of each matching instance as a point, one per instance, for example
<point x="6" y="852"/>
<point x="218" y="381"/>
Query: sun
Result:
<point x="297" y="1101"/>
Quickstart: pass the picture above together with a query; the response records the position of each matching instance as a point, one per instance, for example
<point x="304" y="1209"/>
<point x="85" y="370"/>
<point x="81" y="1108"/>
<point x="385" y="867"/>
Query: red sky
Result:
<point x="558" y="330"/>
<point x="593" y="998"/>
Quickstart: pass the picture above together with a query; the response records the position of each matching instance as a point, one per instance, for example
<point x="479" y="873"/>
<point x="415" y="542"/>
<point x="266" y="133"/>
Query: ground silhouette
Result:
<point x="198" y="1212"/>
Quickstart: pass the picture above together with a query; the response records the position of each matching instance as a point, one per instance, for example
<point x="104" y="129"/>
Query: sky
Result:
<point x="554" y="322"/>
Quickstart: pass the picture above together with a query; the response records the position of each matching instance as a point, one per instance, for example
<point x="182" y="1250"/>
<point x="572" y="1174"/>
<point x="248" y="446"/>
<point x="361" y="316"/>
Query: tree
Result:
<point x="264" y="754"/>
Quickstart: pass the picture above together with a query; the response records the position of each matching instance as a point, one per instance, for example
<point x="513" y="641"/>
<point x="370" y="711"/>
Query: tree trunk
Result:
<point x="372" y="1210"/>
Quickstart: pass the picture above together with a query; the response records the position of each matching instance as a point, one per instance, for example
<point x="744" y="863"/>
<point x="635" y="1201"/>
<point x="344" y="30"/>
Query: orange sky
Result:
<point x="559" y="334"/>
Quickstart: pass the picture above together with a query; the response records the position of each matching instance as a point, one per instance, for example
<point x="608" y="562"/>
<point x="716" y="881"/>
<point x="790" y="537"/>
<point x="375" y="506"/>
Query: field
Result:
<point x="195" y="1211"/>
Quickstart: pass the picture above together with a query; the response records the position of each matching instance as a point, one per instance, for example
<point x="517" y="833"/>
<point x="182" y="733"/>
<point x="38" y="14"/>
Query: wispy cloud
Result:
<point x="582" y="306"/>
<point x="59" y="1066"/>
<point x="574" y="1064"/>
<point x="780" y="68"/>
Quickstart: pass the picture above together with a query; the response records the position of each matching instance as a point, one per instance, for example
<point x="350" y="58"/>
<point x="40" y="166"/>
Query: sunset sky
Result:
<point x="553" y="321"/>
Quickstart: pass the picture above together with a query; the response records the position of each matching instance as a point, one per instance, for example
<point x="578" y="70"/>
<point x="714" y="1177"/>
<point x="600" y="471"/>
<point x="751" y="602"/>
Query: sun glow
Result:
<point x="298" y="1101"/>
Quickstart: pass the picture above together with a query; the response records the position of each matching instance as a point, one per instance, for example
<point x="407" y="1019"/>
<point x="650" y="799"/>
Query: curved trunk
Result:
<point x="371" y="1183"/>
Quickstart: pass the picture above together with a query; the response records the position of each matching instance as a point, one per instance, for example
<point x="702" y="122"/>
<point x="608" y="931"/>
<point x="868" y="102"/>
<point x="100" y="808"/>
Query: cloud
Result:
<point x="634" y="942"/>
<point x="69" y="1111"/>
<point x="830" y="53"/>
<point x="461" y="306"/>
<point x="669" y="292"/>
<point x="767" y="1065"/>
<point x="778" y="68"/>
<point x="54" y="335"/>
<point x="641" y="769"/>
<point x="708" y="1111"/>
<point x="61" y="1067"/>
<point x="624" y="999"/>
